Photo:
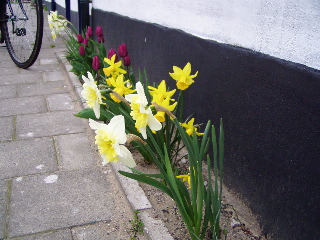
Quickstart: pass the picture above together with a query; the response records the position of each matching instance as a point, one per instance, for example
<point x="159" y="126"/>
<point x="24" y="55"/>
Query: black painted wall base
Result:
<point x="270" y="109"/>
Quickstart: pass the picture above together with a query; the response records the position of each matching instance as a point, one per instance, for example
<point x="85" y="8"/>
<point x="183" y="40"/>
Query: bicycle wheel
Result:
<point x="23" y="30"/>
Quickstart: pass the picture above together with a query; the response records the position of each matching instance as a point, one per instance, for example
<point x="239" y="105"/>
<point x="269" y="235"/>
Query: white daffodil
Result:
<point x="91" y="94"/>
<point x="141" y="113"/>
<point x="110" y="139"/>
<point x="56" y="24"/>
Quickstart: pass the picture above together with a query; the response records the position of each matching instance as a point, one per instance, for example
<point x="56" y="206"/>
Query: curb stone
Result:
<point x="155" y="228"/>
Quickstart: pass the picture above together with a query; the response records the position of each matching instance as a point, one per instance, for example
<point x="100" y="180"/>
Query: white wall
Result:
<point x="287" y="29"/>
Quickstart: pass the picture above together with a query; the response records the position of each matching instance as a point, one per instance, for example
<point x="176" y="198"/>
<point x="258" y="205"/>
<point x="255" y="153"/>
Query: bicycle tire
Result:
<point x="23" y="30"/>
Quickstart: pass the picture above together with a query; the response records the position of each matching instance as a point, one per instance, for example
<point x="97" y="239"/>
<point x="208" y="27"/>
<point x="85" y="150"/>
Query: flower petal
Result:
<point x="126" y="157"/>
<point x="116" y="128"/>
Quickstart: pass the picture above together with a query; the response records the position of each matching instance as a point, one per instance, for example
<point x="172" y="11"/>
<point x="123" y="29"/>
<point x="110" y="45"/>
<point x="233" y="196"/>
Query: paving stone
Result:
<point x="8" y="91"/>
<point x="7" y="63"/>
<point x="42" y="68"/>
<point x="3" y="206"/>
<point x="69" y="198"/>
<point x="75" y="151"/>
<point x="42" y="88"/>
<point x="23" y="105"/>
<point x="55" y="235"/>
<point x="25" y="157"/>
<point x="48" y="124"/>
<point x="95" y="231"/>
<point x="21" y="78"/>
<point x="53" y="76"/>
<point x="60" y="102"/>
<point x="10" y="71"/>
<point x="6" y="128"/>
<point x="46" y="61"/>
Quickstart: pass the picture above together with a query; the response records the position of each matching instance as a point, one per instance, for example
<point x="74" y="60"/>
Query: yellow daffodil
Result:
<point x="91" y="94"/>
<point x="141" y="113"/>
<point x="190" y="128"/>
<point x="120" y="87"/>
<point x="185" y="178"/>
<point x="160" y="93"/>
<point x="183" y="77"/>
<point x="110" y="139"/>
<point x="166" y="104"/>
<point x="114" y="69"/>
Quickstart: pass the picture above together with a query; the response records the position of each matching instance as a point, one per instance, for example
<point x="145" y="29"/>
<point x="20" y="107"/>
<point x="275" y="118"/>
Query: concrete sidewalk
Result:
<point x="52" y="184"/>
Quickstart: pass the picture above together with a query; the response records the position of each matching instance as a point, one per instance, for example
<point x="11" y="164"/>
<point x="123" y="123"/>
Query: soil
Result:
<point x="237" y="221"/>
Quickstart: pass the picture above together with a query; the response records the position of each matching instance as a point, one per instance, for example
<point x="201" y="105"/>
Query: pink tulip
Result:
<point x="80" y="38"/>
<point x="111" y="53"/>
<point x="122" y="49"/>
<point x="95" y="63"/>
<point x="99" y="31"/>
<point x="85" y="42"/>
<point x="89" y="32"/>
<point x="81" y="50"/>
<point x="126" y="60"/>
<point x="101" y="39"/>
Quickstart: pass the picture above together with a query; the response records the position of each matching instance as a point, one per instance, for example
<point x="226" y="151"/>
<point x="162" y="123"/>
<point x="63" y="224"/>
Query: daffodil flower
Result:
<point x="190" y="128"/>
<point x="141" y="113"/>
<point x="183" y="77"/>
<point x="185" y="178"/>
<point x="160" y="93"/>
<point x="120" y="87"/>
<point x="56" y="24"/>
<point x="166" y="104"/>
<point x="110" y="139"/>
<point x="92" y="94"/>
<point x="114" y="68"/>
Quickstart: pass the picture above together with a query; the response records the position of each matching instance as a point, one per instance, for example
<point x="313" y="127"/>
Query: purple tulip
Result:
<point x="95" y="63"/>
<point x="81" y="50"/>
<point x="126" y="61"/>
<point x="122" y="49"/>
<point x="89" y="32"/>
<point x="101" y="39"/>
<point x="99" y="31"/>
<point x="111" y="53"/>
<point x="80" y="38"/>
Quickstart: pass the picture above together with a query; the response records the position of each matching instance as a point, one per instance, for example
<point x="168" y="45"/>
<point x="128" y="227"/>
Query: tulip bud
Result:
<point x="99" y="31"/>
<point x="126" y="61"/>
<point x="89" y="32"/>
<point x="122" y="50"/>
<point x="95" y="63"/>
<point x="81" y="50"/>
<point x="85" y="42"/>
<point x="111" y="53"/>
<point x="80" y="38"/>
<point x="101" y="39"/>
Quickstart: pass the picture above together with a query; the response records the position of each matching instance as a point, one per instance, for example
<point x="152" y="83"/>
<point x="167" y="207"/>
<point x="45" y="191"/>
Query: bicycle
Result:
<point x="21" y="27"/>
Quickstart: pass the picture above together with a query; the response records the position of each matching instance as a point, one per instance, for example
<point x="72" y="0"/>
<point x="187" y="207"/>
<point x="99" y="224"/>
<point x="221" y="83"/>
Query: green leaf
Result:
<point x="149" y="181"/>
<point x="89" y="113"/>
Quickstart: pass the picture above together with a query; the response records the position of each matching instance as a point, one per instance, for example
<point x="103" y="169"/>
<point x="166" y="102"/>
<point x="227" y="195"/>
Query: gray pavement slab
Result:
<point x="19" y="158"/>
<point x="61" y="101"/>
<point x="42" y="68"/>
<point x="23" y="105"/>
<point x="6" y="128"/>
<point x="75" y="151"/>
<point x="45" y="61"/>
<point x="30" y="77"/>
<point x="8" y="63"/>
<point x="10" y="71"/>
<point x="96" y="231"/>
<point x="48" y="124"/>
<point x="44" y="88"/>
<point x="8" y="91"/>
<point x="53" y="76"/>
<point x="64" y="199"/>
<point x="54" y="235"/>
<point x="3" y="206"/>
